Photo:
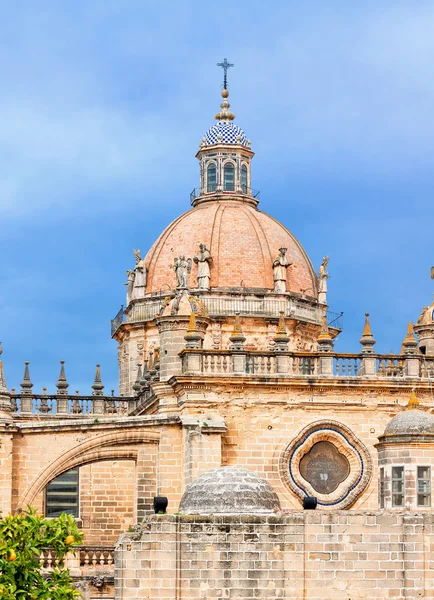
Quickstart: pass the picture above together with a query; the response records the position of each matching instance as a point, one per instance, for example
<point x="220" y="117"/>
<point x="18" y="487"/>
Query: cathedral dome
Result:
<point x="243" y="243"/>
<point x="225" y="132"/>
<point x="229" y="490"/>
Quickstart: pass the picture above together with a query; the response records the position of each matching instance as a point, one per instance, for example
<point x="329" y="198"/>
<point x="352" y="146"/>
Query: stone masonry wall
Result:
<point x="300" y="555"/>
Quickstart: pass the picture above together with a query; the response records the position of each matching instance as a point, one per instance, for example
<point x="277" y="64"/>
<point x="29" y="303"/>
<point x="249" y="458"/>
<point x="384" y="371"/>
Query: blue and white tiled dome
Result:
<point x="229" y="132"/>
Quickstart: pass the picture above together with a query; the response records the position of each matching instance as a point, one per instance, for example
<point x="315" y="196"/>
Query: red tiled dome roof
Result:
<point x="243" y="242"/>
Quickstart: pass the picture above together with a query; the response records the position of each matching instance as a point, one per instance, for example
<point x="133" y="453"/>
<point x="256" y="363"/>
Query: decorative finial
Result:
<point x="26" y="384"/>
<point x="137" y="386"/>
<point x="281" y="338"/>
<point x="409" y="339"/>
<point x="62" y="385"/>
<point x="367" y="328"/>
<point x="237" y="336"/>
<point x="97" y="385"/>
<point x="225" y="114"/>
<point x="413" y="402"/>
<point x="367" y="340"/>
<point x="325" y="334"/>
<point x="192" y="337"/>
<point x="3" y="386"/>
<point x="225" y="65"/>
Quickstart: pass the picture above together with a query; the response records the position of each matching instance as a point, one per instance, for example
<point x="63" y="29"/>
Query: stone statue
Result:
<point x="182" y="268"/>
<point x="432" y="272"/>
<point x="140" y="276"/>
<point x="322" y="281"/>
<point x="130" y="285"/>
<point x="280" y="264"/>
<point x="203" y="261"/>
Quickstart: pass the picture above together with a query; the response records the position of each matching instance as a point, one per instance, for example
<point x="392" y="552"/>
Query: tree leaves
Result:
<point x="23" y="537"/>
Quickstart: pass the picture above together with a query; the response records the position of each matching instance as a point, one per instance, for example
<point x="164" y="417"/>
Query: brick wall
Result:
<point x="300" y="555"/>
<point x="107" y="500"/>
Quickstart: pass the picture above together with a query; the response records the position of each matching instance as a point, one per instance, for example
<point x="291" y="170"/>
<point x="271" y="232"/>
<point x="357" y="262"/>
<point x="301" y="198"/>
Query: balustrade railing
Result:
<point x="346" y="365"/>
<point x="81" y="556"/>
<point x="216" y="362"/>
<point x="46" y="404"/>
<point x="227" y="306"/>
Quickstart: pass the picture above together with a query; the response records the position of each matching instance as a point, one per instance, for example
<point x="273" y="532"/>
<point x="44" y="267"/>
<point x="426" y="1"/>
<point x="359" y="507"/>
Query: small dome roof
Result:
<point x="427" y="316"/>
<point x="411" y="422"/>
<point x="230" y="134"/>
<point x="229" y="490"/>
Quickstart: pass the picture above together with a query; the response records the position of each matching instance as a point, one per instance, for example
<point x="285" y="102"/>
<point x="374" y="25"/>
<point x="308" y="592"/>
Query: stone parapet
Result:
<point x="313" y="555"/>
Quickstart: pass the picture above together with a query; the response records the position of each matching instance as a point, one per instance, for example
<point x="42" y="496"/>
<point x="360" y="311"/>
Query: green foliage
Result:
<point x="23" y="536"/>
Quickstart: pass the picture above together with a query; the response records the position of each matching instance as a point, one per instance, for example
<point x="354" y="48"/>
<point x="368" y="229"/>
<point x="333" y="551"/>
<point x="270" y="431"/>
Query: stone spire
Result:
<point x="237" y="336"/>
<point x="5" y="397"/>
<point x="62" y="385"/>
<point x="97" y="385"/>
<point x="3" y="387"/>
<point x="409" y="343"/>
<point x="26" y="384"/>
<point x="367" y="340"/>
<point x="137" y="386"/>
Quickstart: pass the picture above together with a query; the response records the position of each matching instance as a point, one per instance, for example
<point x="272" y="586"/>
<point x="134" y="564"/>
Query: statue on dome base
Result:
<point x="322" y="281"/>
<point x="140" y="276"/>
<point x="280" y="264"/>
<point x="130" y="285"/>
<point x="203" y="261"/>
<point x="182" y="268"/>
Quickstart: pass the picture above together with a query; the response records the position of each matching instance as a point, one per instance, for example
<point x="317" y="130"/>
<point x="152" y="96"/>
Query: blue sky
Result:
<point x="103" y="104"/>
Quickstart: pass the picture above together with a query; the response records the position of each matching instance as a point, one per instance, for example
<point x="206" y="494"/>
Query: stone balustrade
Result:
<point x="305" y="364"/>
<point x="81" y="557"/>
<point x="220" y="305"/>
<point x="57" y="405"/>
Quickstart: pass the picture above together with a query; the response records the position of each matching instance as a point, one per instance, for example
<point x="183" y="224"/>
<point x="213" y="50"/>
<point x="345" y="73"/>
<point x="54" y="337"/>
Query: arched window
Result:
<point x="61" y="495"/>
<point x="211" y="178"/>
<point x="229" y="177"/>
<point x="244" y="178"/>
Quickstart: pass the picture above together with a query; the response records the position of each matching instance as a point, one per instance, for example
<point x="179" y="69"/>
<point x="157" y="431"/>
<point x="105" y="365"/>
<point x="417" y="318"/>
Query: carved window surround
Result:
<point x="346" y="444"/>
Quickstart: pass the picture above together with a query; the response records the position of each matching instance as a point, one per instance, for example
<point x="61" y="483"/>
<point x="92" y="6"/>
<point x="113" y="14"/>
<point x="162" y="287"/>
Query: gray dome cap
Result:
<point x="411" y="422"/>
<point x="229" y="490"/>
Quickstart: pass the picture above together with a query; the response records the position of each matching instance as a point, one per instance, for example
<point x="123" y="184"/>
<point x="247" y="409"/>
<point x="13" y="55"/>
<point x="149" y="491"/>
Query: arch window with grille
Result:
<point x="61" y="495"/>
<point x="244" y="178"/>
<point x="229" y="177"/>
<point x="211" y="178"/>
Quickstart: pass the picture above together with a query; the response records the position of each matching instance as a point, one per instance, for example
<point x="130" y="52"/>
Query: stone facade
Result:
<point x="343" y="555"/>
<point x="244" y="375"/>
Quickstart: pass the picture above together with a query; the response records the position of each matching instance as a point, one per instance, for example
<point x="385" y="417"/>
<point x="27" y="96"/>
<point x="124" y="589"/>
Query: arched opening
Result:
<point x="211" y="178"/>
<point x="229" y="177"/>
<point x="244" y="179"/>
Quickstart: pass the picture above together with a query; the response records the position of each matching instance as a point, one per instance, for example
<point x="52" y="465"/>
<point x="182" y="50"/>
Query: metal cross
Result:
<point x="225" y="65"/>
